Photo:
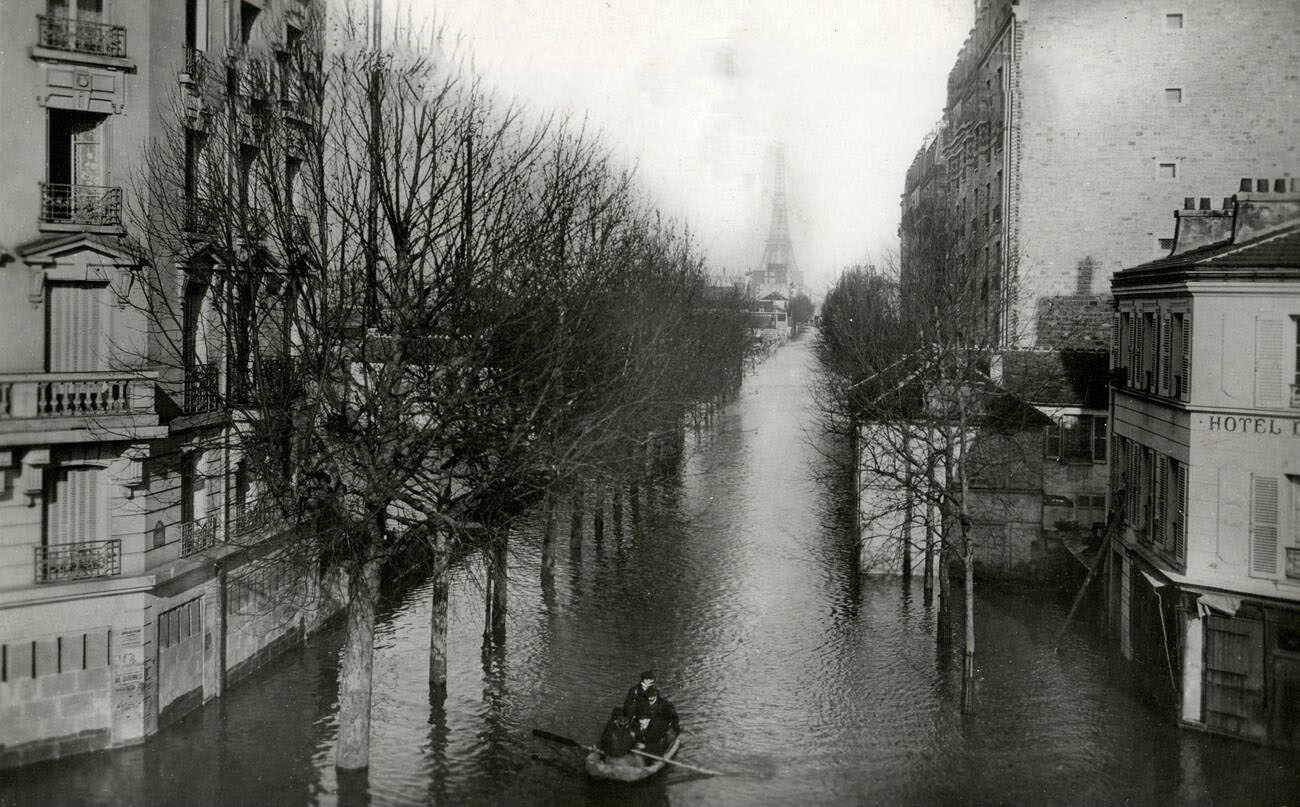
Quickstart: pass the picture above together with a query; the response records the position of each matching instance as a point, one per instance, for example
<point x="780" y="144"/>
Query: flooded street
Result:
<point x="802" y="682"/>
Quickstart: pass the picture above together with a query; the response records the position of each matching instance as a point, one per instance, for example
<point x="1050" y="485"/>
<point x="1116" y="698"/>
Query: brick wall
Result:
<point x="1092" y="124"/>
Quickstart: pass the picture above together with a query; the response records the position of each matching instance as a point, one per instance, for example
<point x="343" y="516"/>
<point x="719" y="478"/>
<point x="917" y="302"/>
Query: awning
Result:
<point x="1153" y="581"/>
<point x="1221" y="603"/>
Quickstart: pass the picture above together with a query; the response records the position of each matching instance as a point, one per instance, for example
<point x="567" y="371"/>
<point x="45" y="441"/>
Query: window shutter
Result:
<point x="1268" y="362"/>
<point x="1114" y="340"/>
<point x="1099" y="441"/>
<point x="1164" y="355"/>
<point x="1263" y="526"/>
<point x="1161" y="519"/>
<point x="1180" y="508"/>
<point x="72" y="507"/>
<point x="1187" y="356"/>
<point x="1052" y="440"/>
<point x="74" y="327"/>
<point x="1137" y="349"/>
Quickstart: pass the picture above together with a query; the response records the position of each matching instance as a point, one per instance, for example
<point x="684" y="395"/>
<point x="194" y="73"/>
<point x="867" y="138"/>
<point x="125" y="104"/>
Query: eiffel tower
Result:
<point x="778" y="271"/>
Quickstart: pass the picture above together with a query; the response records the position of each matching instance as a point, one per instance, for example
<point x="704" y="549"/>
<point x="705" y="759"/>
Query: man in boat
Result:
<point x="616" y="739"/>
<point x="635" y="701"/>
<point x="657" y="723"/>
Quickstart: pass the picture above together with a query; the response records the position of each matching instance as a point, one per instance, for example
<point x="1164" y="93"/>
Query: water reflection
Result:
<point x="734" y="580"/>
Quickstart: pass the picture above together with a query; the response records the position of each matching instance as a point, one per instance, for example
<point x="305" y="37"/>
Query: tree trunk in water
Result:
<point x="968" y="661"/>
<point x="438" y="617"/>
<point x="907" y="529"/>
<point x="945" y="594"/>
<point x="616" y="506"/>
<point x="598" y="517"/>
<point x="500" y="545"/>
<point x="929" y="561"/>
<point x="634" y="500"/>
<point x="548" y="534"/>
<point x="352" y="750"/>
<point x="575" y="517"/>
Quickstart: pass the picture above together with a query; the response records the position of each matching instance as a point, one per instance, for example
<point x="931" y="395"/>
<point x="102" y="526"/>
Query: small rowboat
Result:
<point x="629" y="767"/>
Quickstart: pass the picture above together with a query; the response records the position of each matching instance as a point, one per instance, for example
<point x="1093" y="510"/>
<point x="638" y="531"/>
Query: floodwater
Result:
<point x="802" y="682"/>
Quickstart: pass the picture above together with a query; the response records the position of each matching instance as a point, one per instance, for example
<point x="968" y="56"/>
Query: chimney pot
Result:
<point x="1189" y="203"/>
<point x="1205" y="203"/>
<point x="1244" y="187"/>
<point x="1279" y="186"/>
<point x="1261" y="186"/>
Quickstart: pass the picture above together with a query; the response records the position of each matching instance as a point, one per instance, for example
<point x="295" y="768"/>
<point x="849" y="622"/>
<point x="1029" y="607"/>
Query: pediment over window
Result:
<point x="74" y="257"/>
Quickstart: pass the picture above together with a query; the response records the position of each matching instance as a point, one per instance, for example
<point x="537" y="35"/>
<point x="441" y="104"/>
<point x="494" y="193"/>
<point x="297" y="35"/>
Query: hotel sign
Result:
<point x="1241" y="424"/>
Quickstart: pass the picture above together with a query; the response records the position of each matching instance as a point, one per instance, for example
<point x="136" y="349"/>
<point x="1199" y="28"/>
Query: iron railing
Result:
<point x="78" y="561"/>
<point x="81" y="36"/>
<point x="198" y="535"/>
<point x="196" y="64"/>
<point x="256" y="519"/>
<point x="201" y="391"/>
<point x="81" y="204"/>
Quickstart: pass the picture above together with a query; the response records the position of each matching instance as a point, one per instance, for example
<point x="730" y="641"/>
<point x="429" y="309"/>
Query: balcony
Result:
<point x="82" y="205"/>
<point x="79" y="561"/>
<point x="198" y="535"/>
<point x="81" y="36"/>
<point x="257" y="520"/>
<point x="39" y="401"/>
<point x="202" y="393"/>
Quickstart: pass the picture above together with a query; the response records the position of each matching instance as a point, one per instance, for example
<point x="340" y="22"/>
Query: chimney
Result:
<point x="1083" y="276"/>
<point x="1198" y="225"/>
<point x="1262" y="212"/>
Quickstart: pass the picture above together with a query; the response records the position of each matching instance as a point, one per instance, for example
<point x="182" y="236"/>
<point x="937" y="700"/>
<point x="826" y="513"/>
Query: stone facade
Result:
<point x="120" y="528"/>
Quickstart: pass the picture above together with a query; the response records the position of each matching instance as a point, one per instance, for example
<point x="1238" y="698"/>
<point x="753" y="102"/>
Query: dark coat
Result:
<point x="616" y="739"/>
<point x="663" y="716"/>
<point x="635" y="702"/>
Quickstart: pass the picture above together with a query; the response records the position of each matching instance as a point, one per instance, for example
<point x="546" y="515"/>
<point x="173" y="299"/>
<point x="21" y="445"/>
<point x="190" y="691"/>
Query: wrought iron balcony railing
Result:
<point x="198" y="535"/>
<point x="62" y="395"/>
<point x="256" y="520"/>
<point x="196" y="64"/>
<point x="79" y="561"/>
<point x="201" y="391"/>
<point x="81" y="204"/>
<point x="81" y="36"/>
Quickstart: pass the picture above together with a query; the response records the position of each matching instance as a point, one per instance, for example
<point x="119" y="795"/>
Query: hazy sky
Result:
<point x="696" y="92"/>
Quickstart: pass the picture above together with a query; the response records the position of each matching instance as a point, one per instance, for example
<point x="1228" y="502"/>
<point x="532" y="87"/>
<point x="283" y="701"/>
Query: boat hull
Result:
<point x="630" y="767"/>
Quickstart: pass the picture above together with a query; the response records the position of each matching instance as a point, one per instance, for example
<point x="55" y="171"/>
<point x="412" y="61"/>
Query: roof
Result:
<point x="1279" y="249"/>
<point x="1058" y="377"/>
<point x="776" y="295"/>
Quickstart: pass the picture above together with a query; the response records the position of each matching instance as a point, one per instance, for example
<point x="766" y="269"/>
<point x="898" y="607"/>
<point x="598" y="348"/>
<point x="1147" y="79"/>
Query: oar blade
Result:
<point x="557" y="738"/>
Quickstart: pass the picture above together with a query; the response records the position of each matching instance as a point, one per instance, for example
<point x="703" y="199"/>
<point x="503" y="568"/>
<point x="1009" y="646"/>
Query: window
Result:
<point x="1263" y="526"/>
<point x="196" y="24"/>
<point x="1165" y="244"/>
<point x="247" y="17"/>
<point x="175" y="625"/>
<point x="1173" y="95"/>
<point x="1173" y="22"/>
<point x="74" y="315"/>
<point x="74" y="507"/>
<point x="1076" y="438"/>
<point x="1168" y="170"/>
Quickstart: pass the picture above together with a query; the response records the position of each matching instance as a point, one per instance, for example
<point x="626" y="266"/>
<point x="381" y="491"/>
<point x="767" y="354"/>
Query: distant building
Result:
<point x="1204" y="579"/>
<point x="1070" y="128"/>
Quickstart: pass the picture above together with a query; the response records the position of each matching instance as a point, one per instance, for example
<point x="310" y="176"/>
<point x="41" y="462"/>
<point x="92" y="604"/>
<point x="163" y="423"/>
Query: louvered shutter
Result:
<point x="1160" y="524"/>
<point x="1187" y="356"/>
<point x="73" y="328"/>
<point x="72" y="506"/>
<point x="1263" y="526"/>
<point x="1114" y="341"/>
<point x="1268" y="362"/>
<point x="1164" y="355"/>
<point x="1137" y="349"/>
<point x="1180" y="507"/>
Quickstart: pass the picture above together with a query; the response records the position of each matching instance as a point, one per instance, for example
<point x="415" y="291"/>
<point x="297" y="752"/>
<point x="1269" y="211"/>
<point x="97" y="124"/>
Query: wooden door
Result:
<point x="1234" y="676"/>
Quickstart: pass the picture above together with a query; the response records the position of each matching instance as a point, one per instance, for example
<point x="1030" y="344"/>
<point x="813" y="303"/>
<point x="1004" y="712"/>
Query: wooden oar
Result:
<point x="562" y="740"/>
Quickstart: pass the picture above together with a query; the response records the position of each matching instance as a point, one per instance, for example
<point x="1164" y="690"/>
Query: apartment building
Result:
<point x="1204" y="579"/>
<point x="1070" y="128"/>
<point x="136" y="574"/>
